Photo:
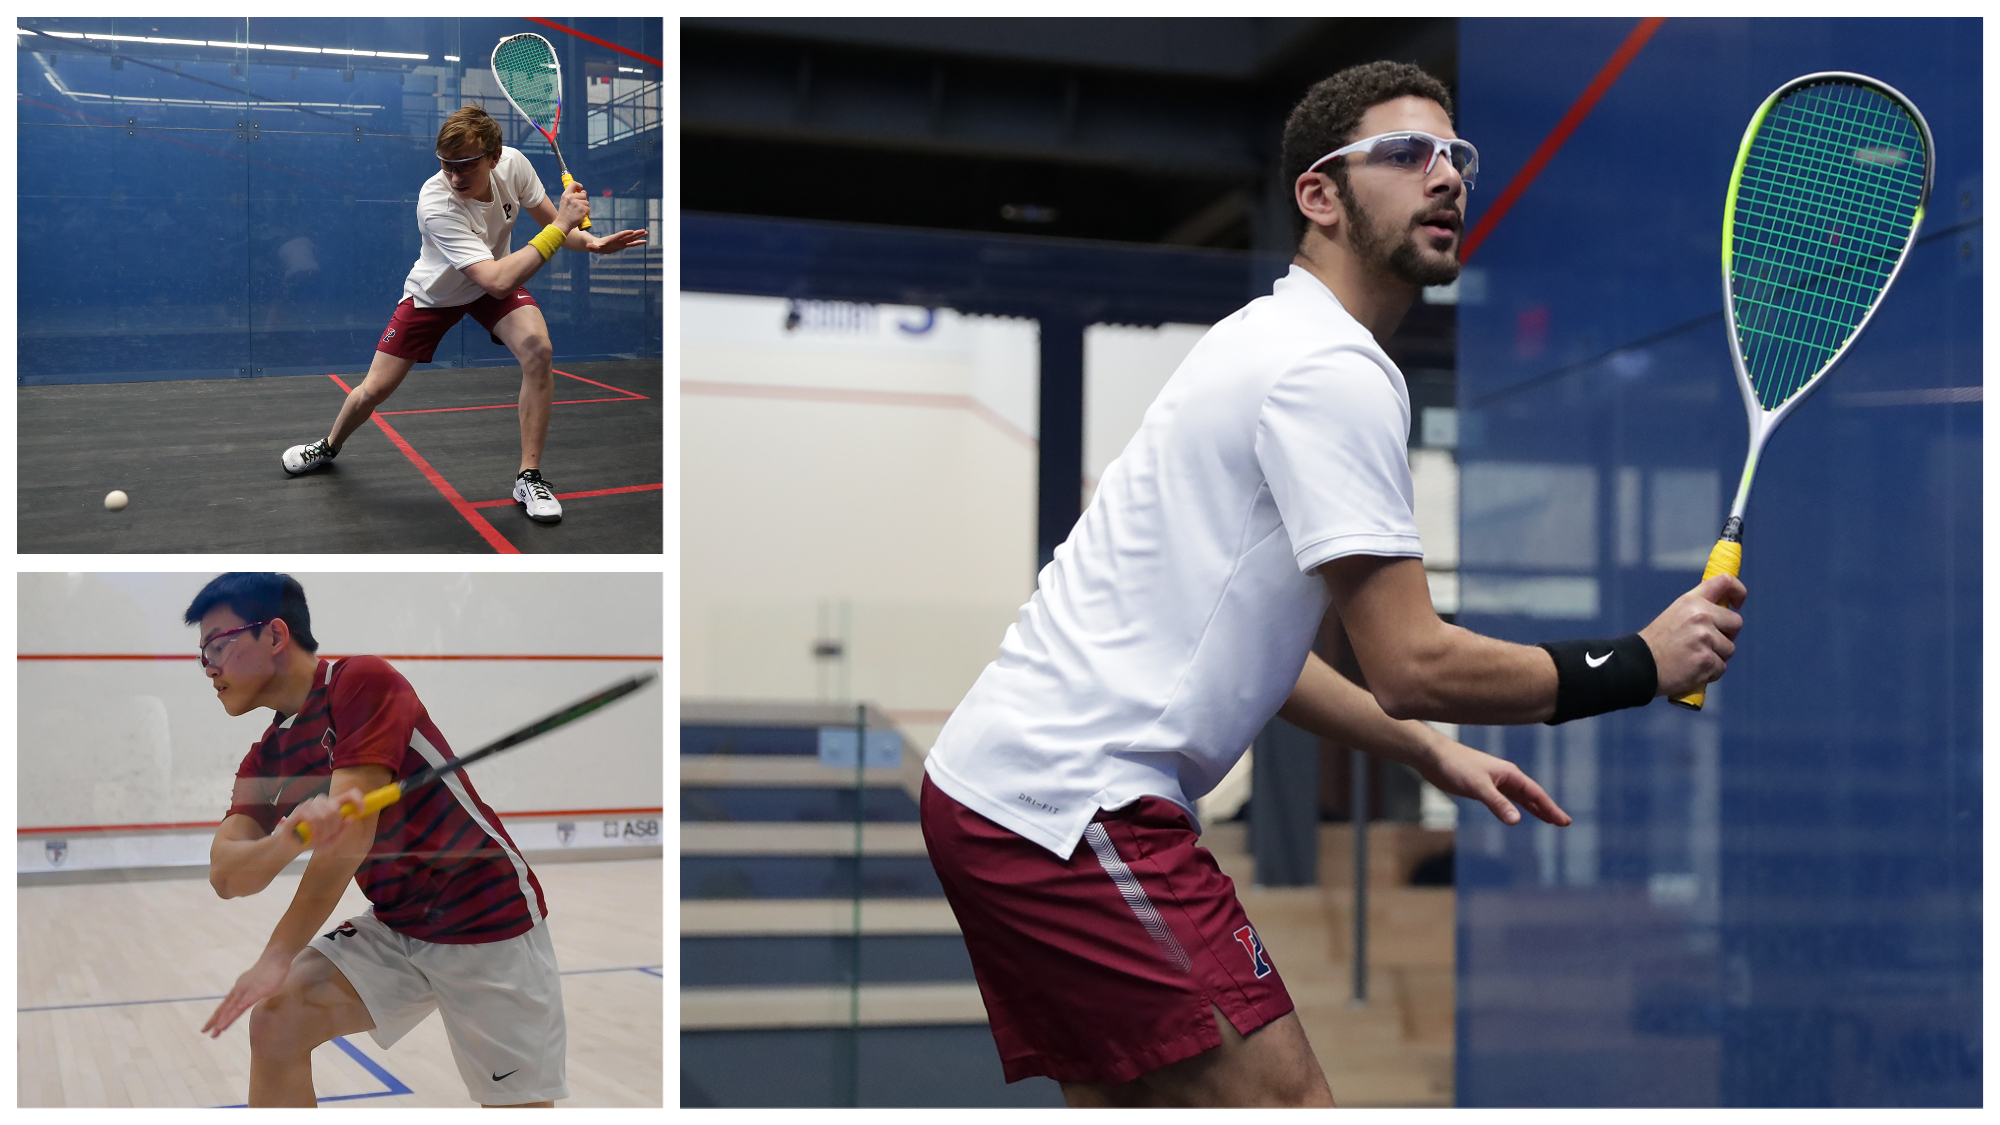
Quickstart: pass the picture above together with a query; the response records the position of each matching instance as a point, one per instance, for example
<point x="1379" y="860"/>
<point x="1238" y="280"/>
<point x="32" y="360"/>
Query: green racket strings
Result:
<point x="1827" y="200"/>
<point x="526" y="68"/>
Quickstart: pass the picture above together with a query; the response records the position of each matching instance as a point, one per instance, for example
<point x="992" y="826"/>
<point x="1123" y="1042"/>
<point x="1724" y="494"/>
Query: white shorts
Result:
<point x="501" y="1002"/>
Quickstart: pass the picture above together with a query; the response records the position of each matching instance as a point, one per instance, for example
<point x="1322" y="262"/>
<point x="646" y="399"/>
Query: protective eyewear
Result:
<point x="211" y="652"/>
<point x="462" y="163"/>
<point x="1411" y="151"/>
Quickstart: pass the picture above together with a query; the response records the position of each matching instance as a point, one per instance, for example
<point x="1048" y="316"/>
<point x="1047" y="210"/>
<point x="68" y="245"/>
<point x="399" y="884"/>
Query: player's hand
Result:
<point x="323" y="817"/>
<point x="611" y="244"/>
<point x="574" y="208"/>
<point x="1693" y="640"/>
<point x="1461" y="771"/>
<point x="263" y="980"/>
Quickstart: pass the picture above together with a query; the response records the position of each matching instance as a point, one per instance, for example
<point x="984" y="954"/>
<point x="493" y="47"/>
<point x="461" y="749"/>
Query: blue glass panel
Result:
<point x="1775" y="901"/>
<point x="218" y="197"/>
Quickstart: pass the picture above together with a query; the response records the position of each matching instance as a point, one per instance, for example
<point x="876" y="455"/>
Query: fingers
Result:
<point x="1723" y="589"/>
<point x="1489" y="795"/>
<point x="225" y="1014"/>
<point x="1534" y="798"/>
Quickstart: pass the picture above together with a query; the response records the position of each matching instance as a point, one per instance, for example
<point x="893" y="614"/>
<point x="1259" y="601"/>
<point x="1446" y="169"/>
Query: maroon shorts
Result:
<point x="414" y="333"/>
<point x="1102" y="967"/>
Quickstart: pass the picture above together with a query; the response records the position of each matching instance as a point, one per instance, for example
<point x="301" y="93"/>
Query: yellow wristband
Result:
<point x="549" y="241"/>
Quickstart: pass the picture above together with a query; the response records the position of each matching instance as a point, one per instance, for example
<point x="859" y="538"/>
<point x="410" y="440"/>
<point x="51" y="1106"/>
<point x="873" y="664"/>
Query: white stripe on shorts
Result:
<point x="1135" y="897"/>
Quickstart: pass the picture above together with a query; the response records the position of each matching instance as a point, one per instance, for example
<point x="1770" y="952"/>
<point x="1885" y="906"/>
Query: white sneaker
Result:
<point x="305" y="458"/>
<point x="534" y="494"/>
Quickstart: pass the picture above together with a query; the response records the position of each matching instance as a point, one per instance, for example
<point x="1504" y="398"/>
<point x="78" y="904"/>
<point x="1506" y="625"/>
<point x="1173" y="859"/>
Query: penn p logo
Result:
<point x="1254" y="946"/>
<point x="389" y="333"/>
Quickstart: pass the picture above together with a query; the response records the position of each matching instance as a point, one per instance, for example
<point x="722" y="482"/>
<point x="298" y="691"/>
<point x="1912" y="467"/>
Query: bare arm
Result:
<point x="1419" y="667"/>
<point x="502" y="276"/>
<point x="339" y="847"/>
<point x="333" y="863"/>
<point x="1330" y="705"/>
<point x="243" y="859"/>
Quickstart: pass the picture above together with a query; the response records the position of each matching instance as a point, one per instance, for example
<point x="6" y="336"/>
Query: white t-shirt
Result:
<point x="458" y="232"/>
<point x="1173" y="623"/>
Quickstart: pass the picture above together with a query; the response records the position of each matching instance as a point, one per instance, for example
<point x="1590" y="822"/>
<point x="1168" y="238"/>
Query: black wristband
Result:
<point x="1593" y="677"/>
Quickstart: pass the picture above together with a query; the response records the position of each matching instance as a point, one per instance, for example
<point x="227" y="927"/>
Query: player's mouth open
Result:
<point x="1443" y="225"/>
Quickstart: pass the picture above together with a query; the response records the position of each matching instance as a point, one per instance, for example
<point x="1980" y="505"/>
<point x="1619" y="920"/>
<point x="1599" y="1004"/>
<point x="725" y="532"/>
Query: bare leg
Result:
<point x="316" y="1004"/>
<point x="526" y="334"/>
<point x="1272" y="1066"/>
<point x="385" y="374"/>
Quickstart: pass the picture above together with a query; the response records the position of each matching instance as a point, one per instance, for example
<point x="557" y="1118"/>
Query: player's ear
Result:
<point x="1315" y="197"/>
<point x="281" y="633"/>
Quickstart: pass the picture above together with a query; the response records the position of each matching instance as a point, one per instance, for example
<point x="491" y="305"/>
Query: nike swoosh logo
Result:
<point x="498" y="1077"/>
<point x="1596" y="661"/>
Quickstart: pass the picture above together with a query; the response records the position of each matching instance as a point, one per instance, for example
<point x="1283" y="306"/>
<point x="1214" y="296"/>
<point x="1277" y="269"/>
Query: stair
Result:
<point x="769" y="915"/>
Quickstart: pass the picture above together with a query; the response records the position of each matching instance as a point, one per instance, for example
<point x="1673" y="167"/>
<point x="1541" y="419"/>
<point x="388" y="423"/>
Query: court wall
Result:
<point x="143" y="742"/>
<point x="224" y="198"/>
<point x="1775" y="901"/>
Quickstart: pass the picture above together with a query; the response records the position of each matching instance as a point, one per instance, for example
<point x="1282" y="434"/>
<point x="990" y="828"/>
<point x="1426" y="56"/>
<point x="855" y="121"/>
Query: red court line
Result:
<point x="486" y="530"/>
<point x="344" y="655"/>
<point x="503" y="406"/>
<point x="1580" y="109"/>
<point x="630" y="396"/>
<point x="593" y="39"/>
<point x="606" y="386"/>
<point x="72" y="829"/>
<point x="574" y="495"/>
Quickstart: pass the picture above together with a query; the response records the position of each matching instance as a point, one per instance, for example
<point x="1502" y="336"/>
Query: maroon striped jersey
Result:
<point x="442" y="868"/>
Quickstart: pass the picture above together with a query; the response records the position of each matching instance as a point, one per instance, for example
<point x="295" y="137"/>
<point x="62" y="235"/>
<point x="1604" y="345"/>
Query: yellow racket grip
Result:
<point x="1726" y="557"/>
<point x="566" y="182"/>
<point x="375" y="801"/>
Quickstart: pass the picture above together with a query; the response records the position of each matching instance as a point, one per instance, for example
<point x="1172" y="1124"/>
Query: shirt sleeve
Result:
<point x="454" y="237"/>
<point x="527" y="185"/>
<point x="1332" y="440"/>
<point x="374" y="711"/>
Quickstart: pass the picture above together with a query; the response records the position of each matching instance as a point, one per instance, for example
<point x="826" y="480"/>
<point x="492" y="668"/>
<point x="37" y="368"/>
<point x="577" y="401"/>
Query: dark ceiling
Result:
<point x="1135" y="130"/>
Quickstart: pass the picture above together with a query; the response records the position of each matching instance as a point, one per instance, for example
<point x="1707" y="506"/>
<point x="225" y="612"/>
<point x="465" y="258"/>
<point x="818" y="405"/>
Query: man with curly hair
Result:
<point x="1268" y="487"/>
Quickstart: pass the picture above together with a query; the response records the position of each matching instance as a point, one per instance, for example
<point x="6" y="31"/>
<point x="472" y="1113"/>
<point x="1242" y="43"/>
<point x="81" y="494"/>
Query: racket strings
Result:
<point x="526" y="68"/>
<point x="1825" y="208"/>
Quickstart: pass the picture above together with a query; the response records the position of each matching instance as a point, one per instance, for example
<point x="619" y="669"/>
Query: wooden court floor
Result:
<point x="116" y="980"/>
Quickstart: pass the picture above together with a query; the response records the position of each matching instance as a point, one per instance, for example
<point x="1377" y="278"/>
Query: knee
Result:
<point x="537" y="353"/>
<point x="279" y="1026"/>
<point x="371" y="394"/>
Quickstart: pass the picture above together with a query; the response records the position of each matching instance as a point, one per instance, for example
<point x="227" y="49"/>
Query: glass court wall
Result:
<point x="222" y="198"/>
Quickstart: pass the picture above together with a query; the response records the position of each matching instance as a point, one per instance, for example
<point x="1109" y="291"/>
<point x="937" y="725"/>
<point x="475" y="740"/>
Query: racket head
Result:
<point x="526" y="68"/>
<point x="1825" y="199"/>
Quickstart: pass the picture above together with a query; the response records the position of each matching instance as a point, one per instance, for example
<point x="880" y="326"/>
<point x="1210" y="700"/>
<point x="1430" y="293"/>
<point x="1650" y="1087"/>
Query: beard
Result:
<point x="1378" y="246"/>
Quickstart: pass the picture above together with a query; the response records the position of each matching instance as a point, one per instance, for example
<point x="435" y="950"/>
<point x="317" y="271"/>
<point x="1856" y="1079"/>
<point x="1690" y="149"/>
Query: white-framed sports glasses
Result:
<point x="1412" y="151"/>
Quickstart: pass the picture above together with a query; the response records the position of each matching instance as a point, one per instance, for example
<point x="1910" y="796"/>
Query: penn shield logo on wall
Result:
<point x="565" y="833"/>
<point x="56" y="851"/>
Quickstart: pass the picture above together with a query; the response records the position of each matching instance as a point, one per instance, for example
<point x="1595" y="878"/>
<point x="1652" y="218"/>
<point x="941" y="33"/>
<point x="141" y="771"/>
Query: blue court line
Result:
<point x="392" y="1086"/>
<point x="649" y="970"/>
